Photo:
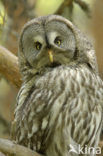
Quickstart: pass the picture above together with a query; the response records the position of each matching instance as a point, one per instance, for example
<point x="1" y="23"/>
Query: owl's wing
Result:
<point x="31" y="118"/>
<point x="85" y="111"/>
<point x="86" y="121"/>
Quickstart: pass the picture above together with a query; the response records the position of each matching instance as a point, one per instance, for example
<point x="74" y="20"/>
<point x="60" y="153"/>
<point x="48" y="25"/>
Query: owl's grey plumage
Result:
<point x="60" y="101"/>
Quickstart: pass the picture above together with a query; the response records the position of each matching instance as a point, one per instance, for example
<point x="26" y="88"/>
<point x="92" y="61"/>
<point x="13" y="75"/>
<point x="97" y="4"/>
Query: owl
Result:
<point x="59" y="105"/>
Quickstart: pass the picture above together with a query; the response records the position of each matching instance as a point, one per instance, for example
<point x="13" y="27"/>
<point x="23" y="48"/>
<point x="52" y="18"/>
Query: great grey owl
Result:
<point x="59" y="105"/>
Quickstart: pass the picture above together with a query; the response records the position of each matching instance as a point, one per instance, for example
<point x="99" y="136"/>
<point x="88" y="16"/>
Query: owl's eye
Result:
<point x="57" y="41"/>
<point x="38" y="45"/>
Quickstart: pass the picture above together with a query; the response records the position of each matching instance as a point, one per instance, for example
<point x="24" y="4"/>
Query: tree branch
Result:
<point x="97" y="29"/>
<point x="9" y="67"/>
<point x="1" y="154"/>
<point x="84" y="6"/>
<point x="10" y="148"/>
<point x="5" y="124"/>
<point x="62" y="6"/>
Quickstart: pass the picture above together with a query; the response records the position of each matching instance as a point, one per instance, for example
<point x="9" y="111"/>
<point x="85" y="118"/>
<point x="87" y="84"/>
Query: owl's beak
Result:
<point x="50" y="52"/>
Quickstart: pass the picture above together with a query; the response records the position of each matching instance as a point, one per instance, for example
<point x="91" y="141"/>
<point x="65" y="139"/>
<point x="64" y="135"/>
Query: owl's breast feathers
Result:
<point x="60" y="108"/>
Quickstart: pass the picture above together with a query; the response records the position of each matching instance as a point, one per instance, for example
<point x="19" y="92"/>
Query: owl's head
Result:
<point x="51" y="41"/>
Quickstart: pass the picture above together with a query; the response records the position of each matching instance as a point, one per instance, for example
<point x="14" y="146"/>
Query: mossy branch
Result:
<point x="9" y="66"/>
<point x="10" y="148"/>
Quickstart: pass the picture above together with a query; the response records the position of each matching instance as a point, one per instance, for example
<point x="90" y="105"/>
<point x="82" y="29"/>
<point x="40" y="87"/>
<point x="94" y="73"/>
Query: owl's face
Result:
<point x="48" y="43"/>
<point x="51" y="41"/>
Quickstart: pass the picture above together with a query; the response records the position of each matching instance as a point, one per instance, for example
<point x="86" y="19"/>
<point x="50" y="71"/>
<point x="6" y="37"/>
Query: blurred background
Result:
<point x="13" y="15"/>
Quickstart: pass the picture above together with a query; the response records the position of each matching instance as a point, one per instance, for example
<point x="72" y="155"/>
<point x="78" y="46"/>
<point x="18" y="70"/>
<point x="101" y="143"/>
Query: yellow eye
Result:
<point x="57" y="41"/>
<point x="38" y="45"/>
